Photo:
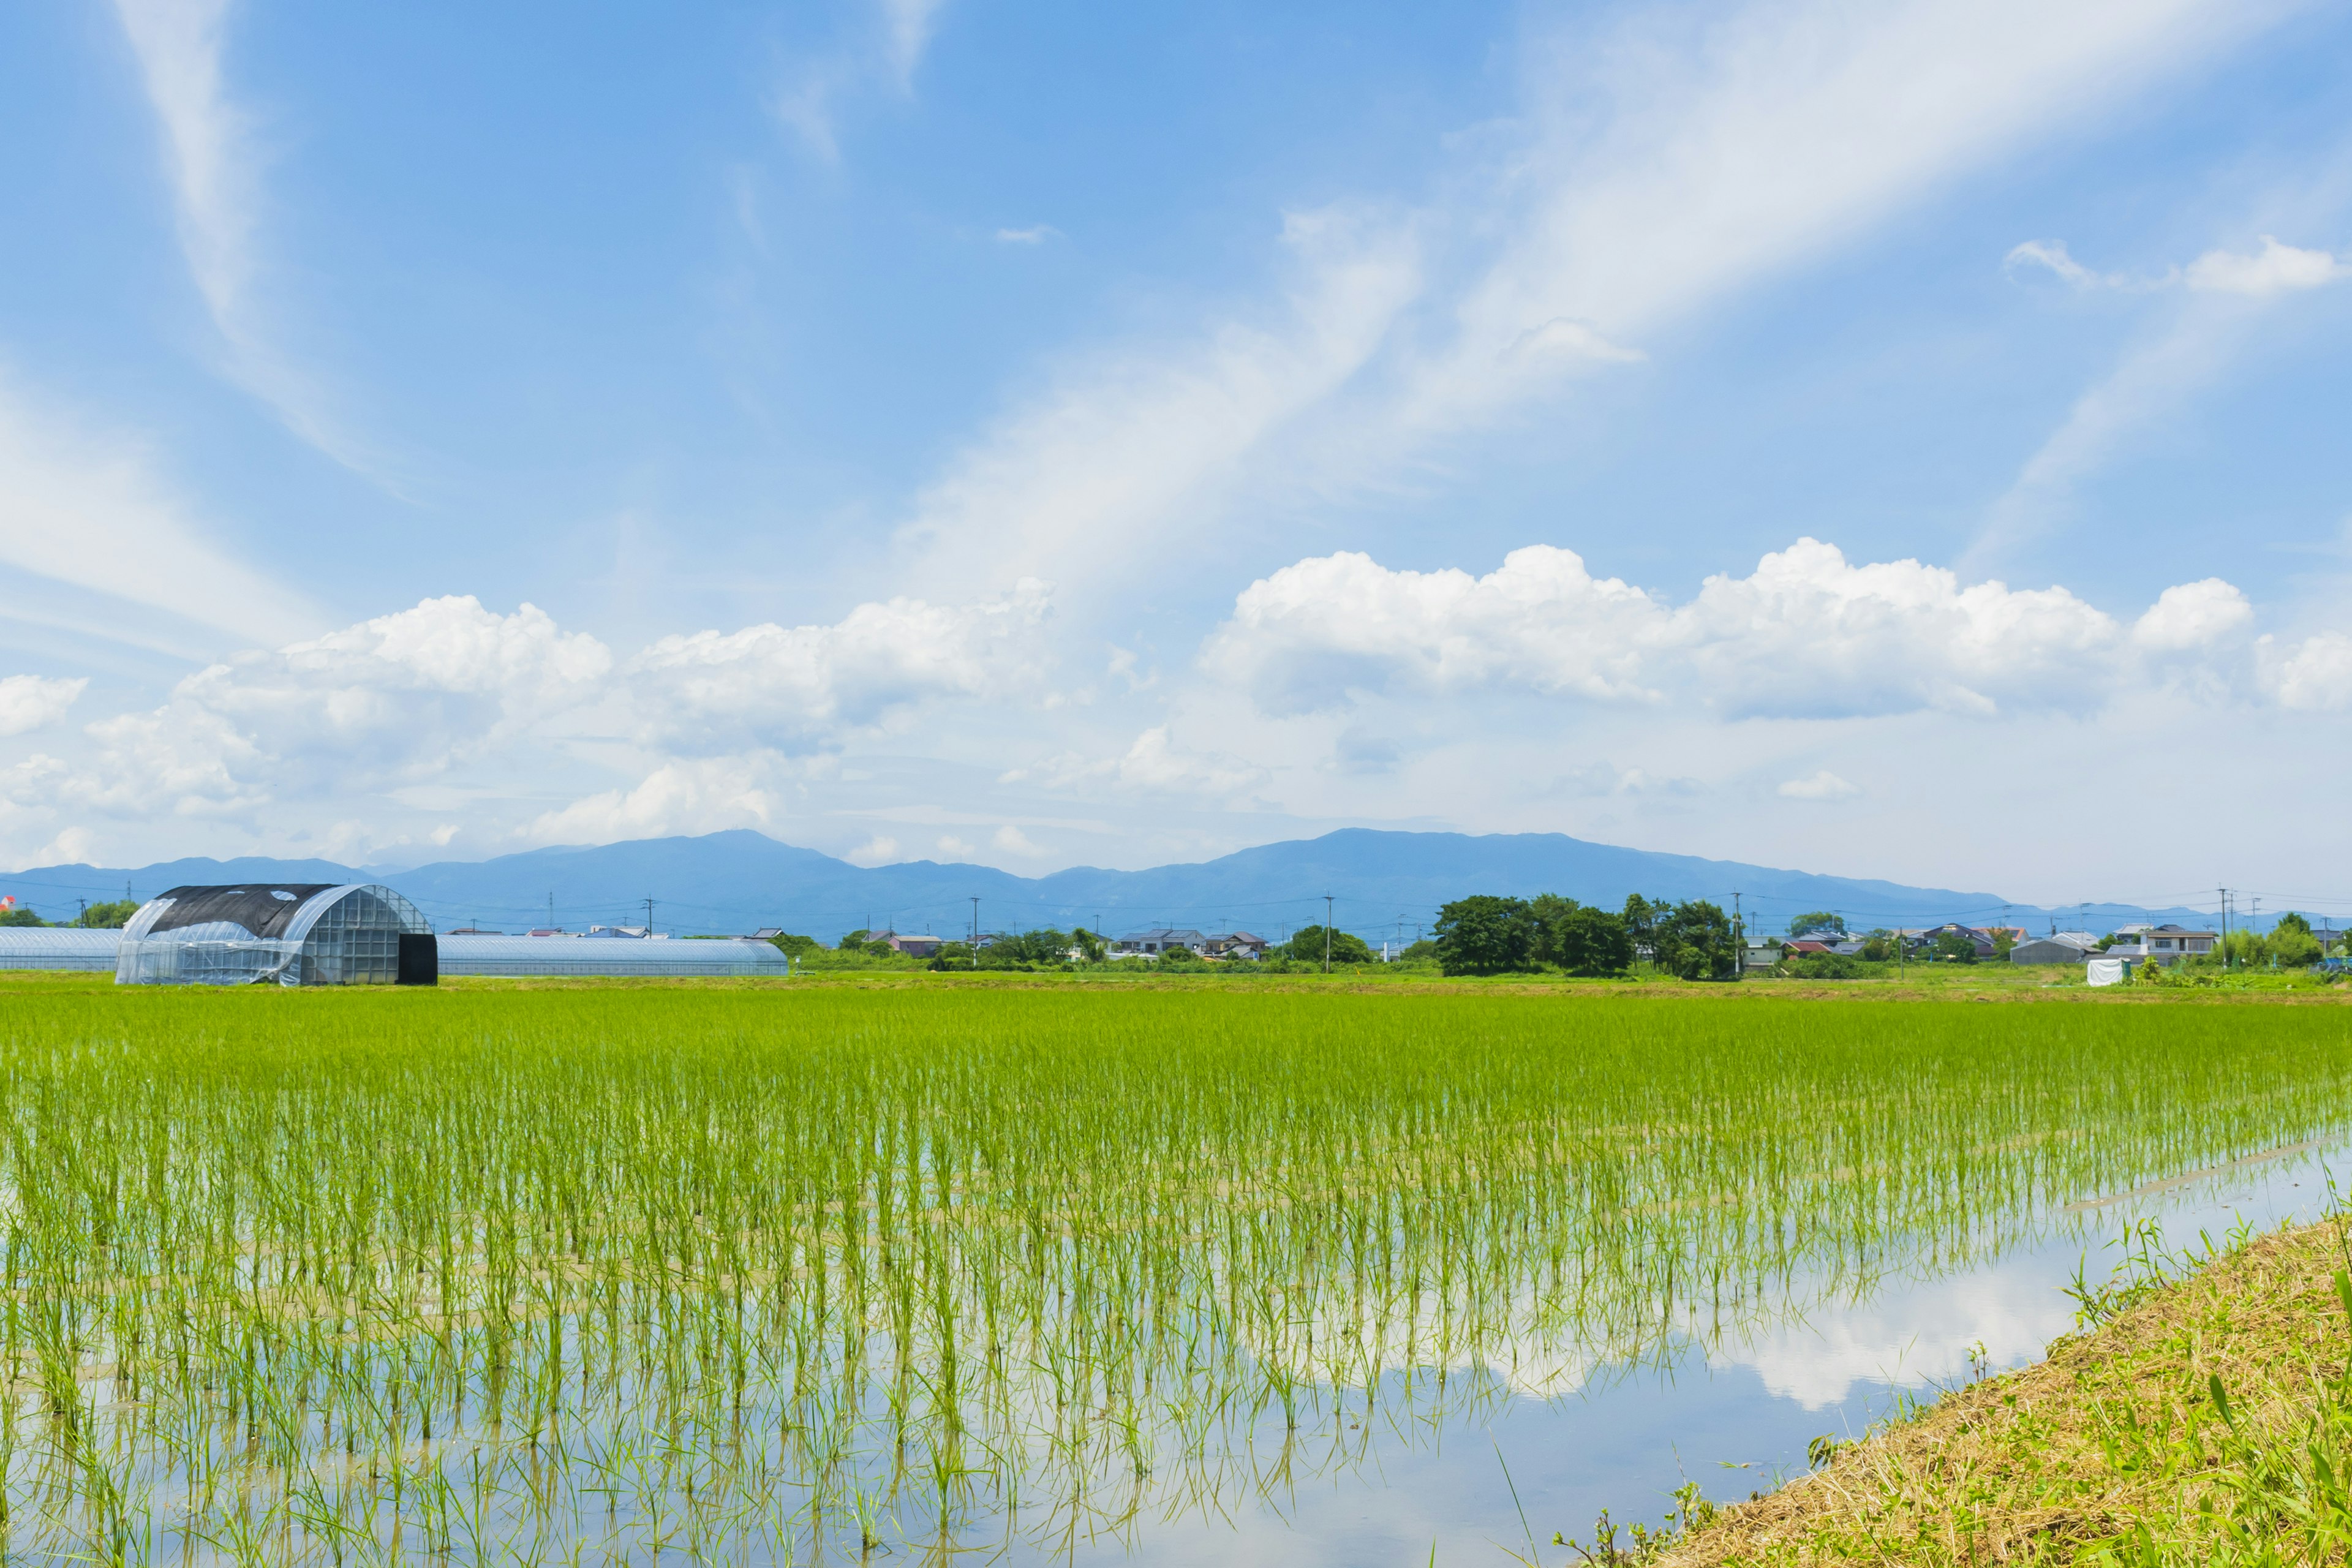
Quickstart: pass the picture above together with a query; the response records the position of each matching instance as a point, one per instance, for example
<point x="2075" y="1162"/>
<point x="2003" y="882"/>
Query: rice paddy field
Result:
<point x="793" y="1274"/>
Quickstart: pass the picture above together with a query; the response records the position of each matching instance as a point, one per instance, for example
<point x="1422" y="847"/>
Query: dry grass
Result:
<point x="2207" y="1420"/>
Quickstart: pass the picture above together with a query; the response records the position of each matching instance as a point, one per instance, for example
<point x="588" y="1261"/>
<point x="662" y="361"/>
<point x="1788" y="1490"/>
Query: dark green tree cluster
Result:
<point x="20" y="917"/>
<point x="1029" y="950"/>
<point x="1489" y="934"/>
<point x="1306" y="946"/>
<point x="113" y="915"/>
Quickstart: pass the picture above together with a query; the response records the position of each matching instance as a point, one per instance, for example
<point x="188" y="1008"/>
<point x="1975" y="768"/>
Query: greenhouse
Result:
<point x="297" y="934"/>
<point x="57" y="947"/>
<point x="520" y="956"/>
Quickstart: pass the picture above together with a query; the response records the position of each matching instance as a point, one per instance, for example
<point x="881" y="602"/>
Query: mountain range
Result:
<point x="1383" y="886"/>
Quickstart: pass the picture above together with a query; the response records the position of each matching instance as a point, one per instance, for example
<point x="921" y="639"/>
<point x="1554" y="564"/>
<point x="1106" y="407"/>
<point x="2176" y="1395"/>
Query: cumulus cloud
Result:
<point x="2313" y="675"/>
<point x="29" y="702"/>
<point x="1821" y="785"/>
<point x="1154" y="765"/>
<point x="1807" y="634"/>
<point x="704" y="794"/>
<point x="1036" y="233"/>
<point x="1009" y="840"/>
<point x="713" y="726"/>
<point x="879" y="850"/>
<point x="792" y="686"/>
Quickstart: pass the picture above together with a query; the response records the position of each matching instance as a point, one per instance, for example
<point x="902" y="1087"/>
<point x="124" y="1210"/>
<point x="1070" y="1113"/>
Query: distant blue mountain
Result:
<point x="1382" y="885"/>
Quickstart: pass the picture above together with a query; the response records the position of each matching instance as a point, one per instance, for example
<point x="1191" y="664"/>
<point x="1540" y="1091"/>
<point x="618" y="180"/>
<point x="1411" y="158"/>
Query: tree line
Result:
<point x="1489" y="934"/>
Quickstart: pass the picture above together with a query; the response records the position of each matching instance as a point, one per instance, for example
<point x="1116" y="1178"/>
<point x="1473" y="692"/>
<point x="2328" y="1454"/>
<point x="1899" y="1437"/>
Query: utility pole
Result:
<point x="2225" y="926"/>
<point x="975" y="933"/>
<point x="550" y="908"/>
<point x="649" y="919"/>
<point x="1738" y="939"/>
<point x="1327" y="933"/>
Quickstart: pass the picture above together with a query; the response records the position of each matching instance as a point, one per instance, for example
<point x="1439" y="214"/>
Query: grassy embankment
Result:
<point x="2204" y="1419"/>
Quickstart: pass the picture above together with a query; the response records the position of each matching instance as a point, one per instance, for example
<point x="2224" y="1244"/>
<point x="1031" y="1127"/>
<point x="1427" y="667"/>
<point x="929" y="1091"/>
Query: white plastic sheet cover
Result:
<point x="2107" y="971"/>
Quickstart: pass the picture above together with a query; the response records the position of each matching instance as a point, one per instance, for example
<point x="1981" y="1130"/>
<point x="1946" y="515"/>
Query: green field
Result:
<point x="545" y="1275"/>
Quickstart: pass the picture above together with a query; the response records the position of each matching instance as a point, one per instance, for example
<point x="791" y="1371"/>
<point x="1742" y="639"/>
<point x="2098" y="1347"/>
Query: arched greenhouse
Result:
<point x="291" y="933"/>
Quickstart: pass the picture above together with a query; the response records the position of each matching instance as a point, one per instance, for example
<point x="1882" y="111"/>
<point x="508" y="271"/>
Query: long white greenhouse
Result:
<point x="522" y="956"/>
<point x="58" y="947"/>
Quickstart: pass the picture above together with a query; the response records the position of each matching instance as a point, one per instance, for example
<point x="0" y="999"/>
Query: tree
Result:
<point x="1594" y="941"/>
<point x="1307" y="947"/>
<point x="1879" y="947"/>
<point x="853" y="941"/>
<point x="1693" y="941"/>
<point x="1805" y="925"/>
<point x="796" y="946"/>
<point x="1484" y="934"/>
<point x="1641" y="920"/>
<point x="1550" y="913"/>
<point x="1956" y="947"/>
<point x="20" y="917"/>
<point x="2002" y="941"/>
<point x="2292" y="942"/>
<point x="1091" y="948"/>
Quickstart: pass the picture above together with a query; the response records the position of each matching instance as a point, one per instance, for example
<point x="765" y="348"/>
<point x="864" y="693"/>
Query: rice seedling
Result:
<point x="569" y="1276"/>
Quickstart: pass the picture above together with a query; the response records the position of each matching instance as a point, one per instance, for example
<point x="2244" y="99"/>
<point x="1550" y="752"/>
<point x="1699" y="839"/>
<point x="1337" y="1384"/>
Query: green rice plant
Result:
<point x="557" y="1275"/>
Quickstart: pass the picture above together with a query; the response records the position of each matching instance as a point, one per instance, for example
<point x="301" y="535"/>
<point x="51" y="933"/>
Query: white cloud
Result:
<point x="2053" y="253"/>
<point x="1009" y="840"/>
<point x="29" y="702"/>
<point x="879" y="850"/>
<point x="950" y="848"/>
<point x="450" y="690"/>
<point x="701" y="795"/>
<point x="1654" y="168"/>
<point x="2315" y="675"/>
<point x="2274" y="269"/>
<point x="910" y="25"/>
<point x="2193" y="615"/>
<point x="1130" y="440"/>
<point x="1821" y="785"/>
<point x="1036" y="233"/>
<point x="1154" y="765"/>
<point x="87" y="510"/>
<point x="792" y="686"/>
<point x="214" y="165"/>
<point x="1807" y="634"/>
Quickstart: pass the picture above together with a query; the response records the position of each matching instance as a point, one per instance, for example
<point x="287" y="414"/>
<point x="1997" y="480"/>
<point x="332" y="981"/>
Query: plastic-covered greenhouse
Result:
<point x="551" y="955"/>
<point x="56" y="947"/>
<point x="293" y="934"/>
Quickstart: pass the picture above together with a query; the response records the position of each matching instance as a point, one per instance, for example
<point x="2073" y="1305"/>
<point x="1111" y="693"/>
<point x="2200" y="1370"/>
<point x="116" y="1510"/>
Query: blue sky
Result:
<point x="1893" y="440"/>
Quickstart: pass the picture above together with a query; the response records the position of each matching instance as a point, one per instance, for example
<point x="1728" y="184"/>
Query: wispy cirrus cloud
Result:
<point x="89" y="509"/>
<point x="1656" y="167"/>
<point x="214" y="158"/>
<point x="810" y="97"/>
<point x="2223" y="291"/>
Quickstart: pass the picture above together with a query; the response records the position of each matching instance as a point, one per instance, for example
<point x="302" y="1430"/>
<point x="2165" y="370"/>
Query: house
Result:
<point x="617" y="931"/>
<point x="2164" y="943"/>
<point x="1152" y="943"/>
<point x="473" y="930"/>
<point x="549" y="930"/>
<point x="1977" y="935"/>
<point x="1759" y="954"/>
<point x="1236" y="944"/>
<point x="912" y="946"/>
<point x="2061" y="947"/>
<point x="1805" y="944"/>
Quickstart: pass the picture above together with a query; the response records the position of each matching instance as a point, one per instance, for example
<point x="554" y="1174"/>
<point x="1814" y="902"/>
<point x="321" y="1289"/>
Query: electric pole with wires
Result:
<point x="1327" y="933"/>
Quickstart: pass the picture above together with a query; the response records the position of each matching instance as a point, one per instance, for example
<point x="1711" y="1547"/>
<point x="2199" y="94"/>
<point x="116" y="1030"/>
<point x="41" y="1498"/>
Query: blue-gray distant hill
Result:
<point x="1381" y="884"/>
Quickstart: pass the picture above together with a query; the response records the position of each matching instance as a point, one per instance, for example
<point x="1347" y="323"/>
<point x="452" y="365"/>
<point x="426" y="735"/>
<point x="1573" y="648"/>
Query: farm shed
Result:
<point x="521" y="956"/>
<point x="53" y="947"/>
<point x="2054" y="950"/>
<point x="293" y="934"/>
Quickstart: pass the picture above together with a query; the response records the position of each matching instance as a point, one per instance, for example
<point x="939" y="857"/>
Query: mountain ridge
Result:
<point x="1384" y="884"/>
